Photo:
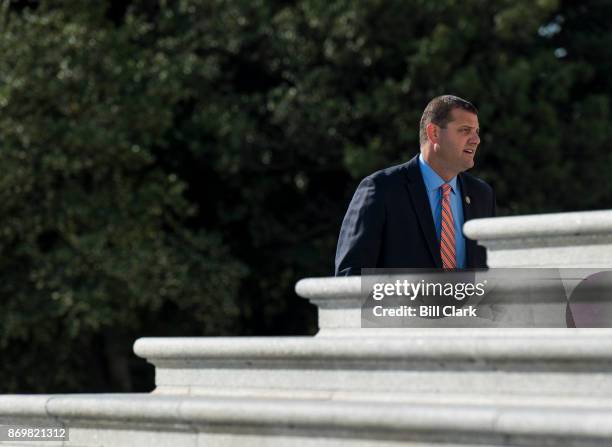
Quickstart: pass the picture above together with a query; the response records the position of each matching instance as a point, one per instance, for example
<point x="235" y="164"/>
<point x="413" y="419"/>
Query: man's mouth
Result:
<point x="469" y="151"/>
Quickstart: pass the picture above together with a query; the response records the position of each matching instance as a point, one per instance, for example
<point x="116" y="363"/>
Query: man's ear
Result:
<point x="432" y="132"/>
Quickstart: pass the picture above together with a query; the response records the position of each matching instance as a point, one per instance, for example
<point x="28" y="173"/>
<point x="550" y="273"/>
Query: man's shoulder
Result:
<point x="389" y="176"/>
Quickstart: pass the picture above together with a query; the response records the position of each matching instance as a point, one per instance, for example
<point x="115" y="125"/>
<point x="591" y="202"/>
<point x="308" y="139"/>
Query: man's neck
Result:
<point x="444" y="174"/>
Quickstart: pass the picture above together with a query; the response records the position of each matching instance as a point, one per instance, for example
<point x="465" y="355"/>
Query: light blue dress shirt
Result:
<point x="433" y="182"/>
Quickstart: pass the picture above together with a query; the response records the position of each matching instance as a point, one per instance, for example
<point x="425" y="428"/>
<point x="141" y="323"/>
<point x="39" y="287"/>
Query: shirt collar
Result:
<point x="431" y="178"/>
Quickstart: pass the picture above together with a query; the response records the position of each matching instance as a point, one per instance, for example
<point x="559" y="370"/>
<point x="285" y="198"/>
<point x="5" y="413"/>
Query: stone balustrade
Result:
<point x="576" y="240"/>
<point x="350" y="386"/>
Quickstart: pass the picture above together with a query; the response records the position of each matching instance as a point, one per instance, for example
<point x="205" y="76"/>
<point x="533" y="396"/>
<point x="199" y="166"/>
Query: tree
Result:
<point x="94" y="233"/>
<point x="173" y="168"/>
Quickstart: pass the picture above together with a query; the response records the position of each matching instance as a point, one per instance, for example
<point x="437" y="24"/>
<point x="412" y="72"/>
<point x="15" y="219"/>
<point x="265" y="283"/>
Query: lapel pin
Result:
<point x="467" y="200"/>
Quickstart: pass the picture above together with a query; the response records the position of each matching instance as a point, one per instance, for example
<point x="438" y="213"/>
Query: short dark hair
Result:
<point x="438" y="111"/>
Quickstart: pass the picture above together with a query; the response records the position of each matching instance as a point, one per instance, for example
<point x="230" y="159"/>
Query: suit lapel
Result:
<point x="418" y="194"/>
<point x="468" y="214"/>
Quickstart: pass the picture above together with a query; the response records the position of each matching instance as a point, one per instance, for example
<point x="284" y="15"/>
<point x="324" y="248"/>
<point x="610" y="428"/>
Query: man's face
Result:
<point x="458" y="142"/>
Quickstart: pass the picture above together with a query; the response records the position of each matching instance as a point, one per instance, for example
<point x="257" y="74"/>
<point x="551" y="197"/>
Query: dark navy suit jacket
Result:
<point x="389" y="222"/>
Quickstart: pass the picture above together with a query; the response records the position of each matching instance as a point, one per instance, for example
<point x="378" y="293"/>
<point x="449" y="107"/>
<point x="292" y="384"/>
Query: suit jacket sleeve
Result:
<point x="360" y="236"/>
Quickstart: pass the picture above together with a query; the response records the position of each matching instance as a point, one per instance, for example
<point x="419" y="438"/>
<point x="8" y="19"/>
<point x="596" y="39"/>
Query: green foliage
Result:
<point x="93" y="232"/>
<point x="174" y="167"/>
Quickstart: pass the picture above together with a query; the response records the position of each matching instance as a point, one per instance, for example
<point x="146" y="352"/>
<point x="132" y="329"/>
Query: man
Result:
<point x="411" y="215"/>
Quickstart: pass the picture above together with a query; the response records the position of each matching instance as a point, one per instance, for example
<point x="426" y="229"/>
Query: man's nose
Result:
<point x="475" y="138"/>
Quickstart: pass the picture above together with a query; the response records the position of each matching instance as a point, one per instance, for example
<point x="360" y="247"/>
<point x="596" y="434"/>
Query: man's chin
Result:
<point x="468" y="165"/>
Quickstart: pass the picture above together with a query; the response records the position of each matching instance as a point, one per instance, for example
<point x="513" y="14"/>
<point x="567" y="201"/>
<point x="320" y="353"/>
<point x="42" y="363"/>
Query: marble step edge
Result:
<point x="348" y="291"/>
<point x="561" y="345"/>
<point x="592" y="401"/>
<point x="204" y="414"/>
<point x="569" y="225"/>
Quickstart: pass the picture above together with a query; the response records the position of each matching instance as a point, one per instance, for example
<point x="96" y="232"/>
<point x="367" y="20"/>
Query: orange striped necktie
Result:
<point x="447" y="234"/>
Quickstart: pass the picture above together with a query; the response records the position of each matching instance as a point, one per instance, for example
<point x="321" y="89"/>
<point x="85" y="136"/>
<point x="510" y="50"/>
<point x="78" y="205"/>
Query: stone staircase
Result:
<point x="348" y="386"/>
<point x="475" y="363"/>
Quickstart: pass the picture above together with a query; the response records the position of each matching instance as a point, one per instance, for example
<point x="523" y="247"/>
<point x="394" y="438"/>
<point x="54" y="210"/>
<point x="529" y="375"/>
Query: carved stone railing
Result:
<point x="353" y="386"/>
<point x="576" y="240"/>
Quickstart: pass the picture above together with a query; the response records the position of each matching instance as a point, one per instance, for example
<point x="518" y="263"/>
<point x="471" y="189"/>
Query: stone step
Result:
<point x="521" y="362"/>
<point x="578" y="239"/>
<point x="156" y="421"/>
<point x="521" y="298"/>
<point x="514" y="298"/>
